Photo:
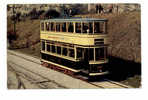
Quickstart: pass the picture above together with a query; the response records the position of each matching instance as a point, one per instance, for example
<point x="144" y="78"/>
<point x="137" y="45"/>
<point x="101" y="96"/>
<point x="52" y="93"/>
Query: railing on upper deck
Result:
<point x="91" y="27"/>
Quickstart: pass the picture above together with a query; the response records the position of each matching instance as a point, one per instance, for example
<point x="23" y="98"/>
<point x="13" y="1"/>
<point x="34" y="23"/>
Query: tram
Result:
<point x="75" y="45"/>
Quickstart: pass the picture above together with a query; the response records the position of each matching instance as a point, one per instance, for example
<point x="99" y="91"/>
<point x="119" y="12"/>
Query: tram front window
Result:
<point x="96" y="27"/>
<point x="99" y="27"/>
<point x="100" y="53"/>
<point x="91" y="53"/>
<point x="102" y="27"/>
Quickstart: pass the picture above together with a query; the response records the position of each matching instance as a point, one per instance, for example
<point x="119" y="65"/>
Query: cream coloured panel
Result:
<point x="73" y="38"/>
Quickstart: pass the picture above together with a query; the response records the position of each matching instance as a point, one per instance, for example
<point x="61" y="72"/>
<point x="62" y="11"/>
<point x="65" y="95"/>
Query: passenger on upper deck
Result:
<point x="87" y="30"/>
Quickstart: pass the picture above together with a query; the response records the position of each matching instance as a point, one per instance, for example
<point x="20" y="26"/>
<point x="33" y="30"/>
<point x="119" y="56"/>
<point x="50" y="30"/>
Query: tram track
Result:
<point x="24" y="57"/>
<point x="20" y="83"/>
<point x="41" y="81"/>
<point x="105" y="83"/>
<point x="22" y="76"/>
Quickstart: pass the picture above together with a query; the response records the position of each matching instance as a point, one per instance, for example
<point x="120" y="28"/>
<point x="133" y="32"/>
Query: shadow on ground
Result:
<point x="121" y="69"/>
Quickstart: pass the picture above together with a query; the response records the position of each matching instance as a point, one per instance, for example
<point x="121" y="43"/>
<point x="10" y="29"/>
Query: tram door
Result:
<point x="86" y="58"/>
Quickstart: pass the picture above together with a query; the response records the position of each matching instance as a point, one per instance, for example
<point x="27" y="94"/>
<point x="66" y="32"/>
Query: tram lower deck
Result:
<point x="90" y="60"/>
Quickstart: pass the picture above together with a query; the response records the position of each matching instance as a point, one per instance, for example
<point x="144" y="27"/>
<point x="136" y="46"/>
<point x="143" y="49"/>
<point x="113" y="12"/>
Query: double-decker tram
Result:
<point x="75" y="45"/>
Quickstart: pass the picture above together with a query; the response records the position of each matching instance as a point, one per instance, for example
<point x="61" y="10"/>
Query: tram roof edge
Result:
<point x="74" y="19"/>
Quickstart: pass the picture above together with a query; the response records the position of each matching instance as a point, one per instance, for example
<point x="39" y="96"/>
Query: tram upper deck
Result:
<point x="81" y="31"/>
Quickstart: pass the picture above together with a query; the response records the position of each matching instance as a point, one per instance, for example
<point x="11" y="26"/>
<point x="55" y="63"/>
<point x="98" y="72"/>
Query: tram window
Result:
<point x="47" y="26"/>
<point x="48" y="47"/>
<point x="64" y="52"/>
<point x="52" y="26"/>
<point x="78" y="27"/>
<point x="70" y="27"/>
<point x="64" y="27"/>
<point x="79" y="52"/>
<point x="71" y="52"/>
<point x="102" y="26"/>
<point x="58" y="50"/>
<point x="105" y="52"/>
<point x="91" y="54"/>
<point x="42" y="26"/>
<point x="85" y="28"/>
<point x="53" y="48"/>
<point x="58" y="27"/>
<point x="96" y="27"/>
<point x="43" y="45"/>
<point x="99" y="53"/>
<point x="90" y="27"/>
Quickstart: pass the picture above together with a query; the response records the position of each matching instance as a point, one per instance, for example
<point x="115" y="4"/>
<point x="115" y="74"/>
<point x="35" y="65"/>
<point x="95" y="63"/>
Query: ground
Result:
<point x="19" y="80"/>
<point x="12" y="81"/>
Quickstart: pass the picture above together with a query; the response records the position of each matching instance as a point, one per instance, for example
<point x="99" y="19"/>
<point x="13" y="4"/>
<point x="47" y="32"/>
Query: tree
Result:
<point x="52" y="14"/>
<point x="33" y="14"/>
<point x="18" y="15"/>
